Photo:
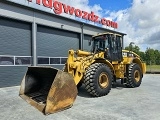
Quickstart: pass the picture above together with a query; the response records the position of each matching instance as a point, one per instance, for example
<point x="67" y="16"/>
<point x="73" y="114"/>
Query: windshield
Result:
<point x="99" y="44"/>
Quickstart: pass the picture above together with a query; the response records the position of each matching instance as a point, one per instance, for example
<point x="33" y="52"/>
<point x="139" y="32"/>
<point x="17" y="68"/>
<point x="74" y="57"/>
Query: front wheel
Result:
<point x="98" y="79"/>
<point x="134" y="76"/>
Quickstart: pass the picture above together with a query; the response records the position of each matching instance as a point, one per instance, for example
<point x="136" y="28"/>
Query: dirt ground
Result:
<point x="142" y="103"/>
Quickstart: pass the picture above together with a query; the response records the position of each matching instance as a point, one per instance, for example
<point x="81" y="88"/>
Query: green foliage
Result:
<point x="157" y="57"/>
<point x="142" y="55"/>
<point x="135" y="49"/>
<point x="151" y="56"/>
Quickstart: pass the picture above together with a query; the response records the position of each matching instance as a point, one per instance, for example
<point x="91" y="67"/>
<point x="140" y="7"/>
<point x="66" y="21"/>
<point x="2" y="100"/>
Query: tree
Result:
<point x="135" y="49"/>
<point x="150" y="56"/>
<point x="142" y="55"/>
<point x="157" y="57"/>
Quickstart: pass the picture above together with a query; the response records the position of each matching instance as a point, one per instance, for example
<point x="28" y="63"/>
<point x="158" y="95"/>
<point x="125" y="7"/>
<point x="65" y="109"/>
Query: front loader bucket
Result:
<point x="48" y="89"/>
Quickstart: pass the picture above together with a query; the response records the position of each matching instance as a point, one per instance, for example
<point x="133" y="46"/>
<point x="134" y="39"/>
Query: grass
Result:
<point x="153" y="68"/>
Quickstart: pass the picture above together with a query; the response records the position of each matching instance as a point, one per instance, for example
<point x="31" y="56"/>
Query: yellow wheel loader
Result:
<point x="50" y="90"/>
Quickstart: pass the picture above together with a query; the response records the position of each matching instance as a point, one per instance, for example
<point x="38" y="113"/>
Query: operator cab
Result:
<point x="109" y="43"/>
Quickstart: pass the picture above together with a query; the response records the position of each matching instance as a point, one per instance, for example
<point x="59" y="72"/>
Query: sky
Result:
<point x="139" y="19"/>
<point x="112" y="5"/>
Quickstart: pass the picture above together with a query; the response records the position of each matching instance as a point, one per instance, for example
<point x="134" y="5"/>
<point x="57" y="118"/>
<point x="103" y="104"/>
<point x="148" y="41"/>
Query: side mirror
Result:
<point x="89" y="42"/>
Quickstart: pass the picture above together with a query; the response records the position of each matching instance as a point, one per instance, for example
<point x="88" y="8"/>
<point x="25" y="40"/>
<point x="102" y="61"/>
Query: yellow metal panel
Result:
<point x="119" y="70"/>
<point x="114" y="62"/>
<point x="144" y="67"/>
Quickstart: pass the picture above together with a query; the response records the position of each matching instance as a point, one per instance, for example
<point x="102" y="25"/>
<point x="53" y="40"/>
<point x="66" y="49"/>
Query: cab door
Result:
<point x="115" y="48"/>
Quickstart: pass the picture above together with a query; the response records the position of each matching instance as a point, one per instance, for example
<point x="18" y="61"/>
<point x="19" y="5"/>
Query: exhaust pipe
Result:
<point x="48" y="89"/>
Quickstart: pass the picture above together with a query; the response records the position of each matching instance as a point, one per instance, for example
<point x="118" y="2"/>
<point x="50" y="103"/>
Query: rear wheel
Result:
<point x="98" y="79"/>
<point x="134" y="76"/>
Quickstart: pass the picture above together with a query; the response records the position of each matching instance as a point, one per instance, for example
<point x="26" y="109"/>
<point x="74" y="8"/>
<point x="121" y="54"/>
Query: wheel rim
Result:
<point x="137" y="75"/>
<point x="103" y="80"/>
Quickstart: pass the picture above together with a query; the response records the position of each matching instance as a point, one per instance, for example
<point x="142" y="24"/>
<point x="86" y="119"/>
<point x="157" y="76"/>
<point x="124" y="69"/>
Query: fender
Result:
<point x="140" y="63"/>
<point x="101" y="60"/>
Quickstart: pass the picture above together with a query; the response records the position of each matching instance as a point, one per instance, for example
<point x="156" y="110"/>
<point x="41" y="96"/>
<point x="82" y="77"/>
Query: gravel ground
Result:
<point x="142" y="103"/>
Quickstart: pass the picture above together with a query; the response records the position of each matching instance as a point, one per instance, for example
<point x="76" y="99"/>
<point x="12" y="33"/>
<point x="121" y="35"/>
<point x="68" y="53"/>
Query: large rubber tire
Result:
<point x="134" y="76"/>
<point x="98" y="79"/>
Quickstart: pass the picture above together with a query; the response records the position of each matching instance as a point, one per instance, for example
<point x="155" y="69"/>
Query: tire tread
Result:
<point x="89" y="79"/>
